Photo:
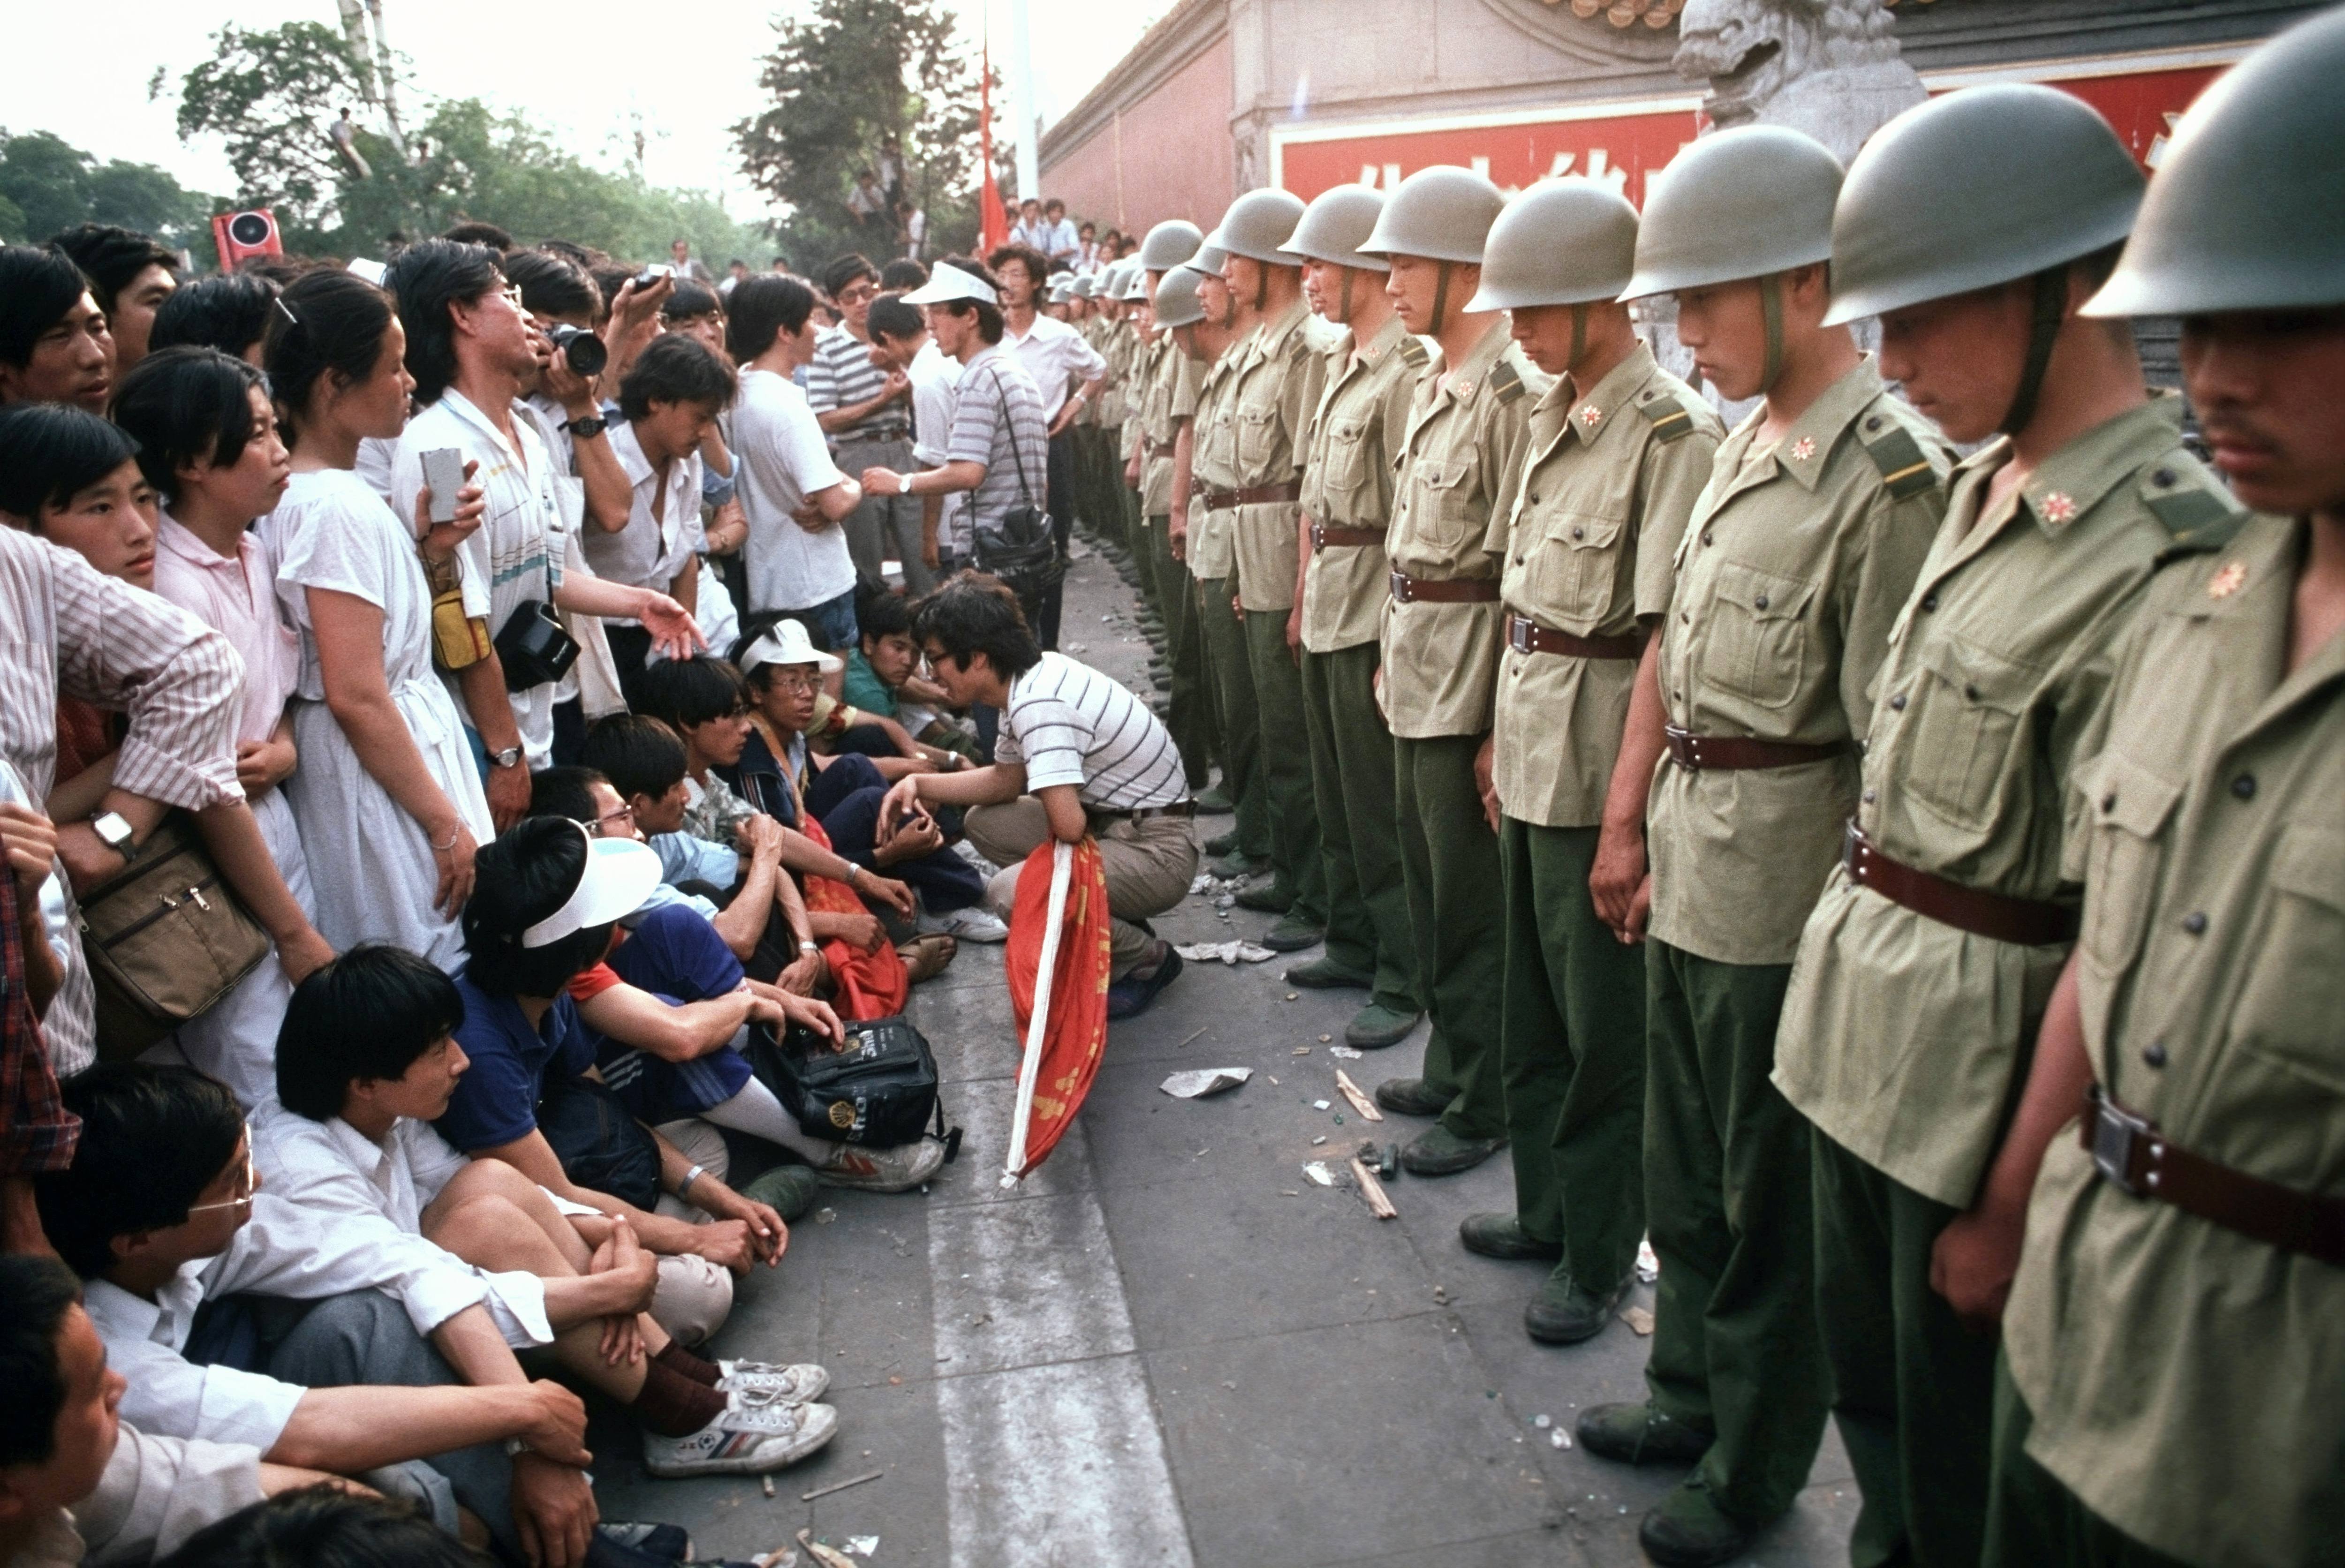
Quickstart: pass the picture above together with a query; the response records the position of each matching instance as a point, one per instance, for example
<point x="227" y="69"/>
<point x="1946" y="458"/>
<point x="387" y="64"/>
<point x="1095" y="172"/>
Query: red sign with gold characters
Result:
<point x="1626" y="144"/>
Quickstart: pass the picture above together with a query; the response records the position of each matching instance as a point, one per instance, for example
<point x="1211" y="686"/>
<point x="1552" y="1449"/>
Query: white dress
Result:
<point x="371" y="869"/>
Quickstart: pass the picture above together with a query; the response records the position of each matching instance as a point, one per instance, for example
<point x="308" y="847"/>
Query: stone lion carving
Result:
<point x="1828" y="67"/>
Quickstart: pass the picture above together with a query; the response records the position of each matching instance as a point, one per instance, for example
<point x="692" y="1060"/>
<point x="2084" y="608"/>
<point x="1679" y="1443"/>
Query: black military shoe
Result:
<point x="1437" y="1151"/>
<point x="1325" y="974"/>
<point x="1639" y="1434"/>
<point x="1265" y="899"/>
<point x="1412" y="1096"/>
<point x="1565" y="1312"/>
<point x="1220" y="843"/>
<point x="1688" y="1529"/>
<point x="1502" y="1236"/>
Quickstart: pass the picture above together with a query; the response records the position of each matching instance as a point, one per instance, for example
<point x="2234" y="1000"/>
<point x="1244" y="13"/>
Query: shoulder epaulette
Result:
<point x="1905" y="470"/>
<point x="1505" y="383"/>
<point x="1670" y="418"/>
<point x="2199" y="518"/>
<point x="1414" y="351"/>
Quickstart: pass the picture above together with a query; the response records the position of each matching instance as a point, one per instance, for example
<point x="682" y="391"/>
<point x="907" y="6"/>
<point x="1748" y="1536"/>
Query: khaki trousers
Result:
<point x="1149" y="865"/>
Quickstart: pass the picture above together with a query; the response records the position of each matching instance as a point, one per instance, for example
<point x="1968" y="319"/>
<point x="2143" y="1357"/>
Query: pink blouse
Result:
<point x="236" y="597"/>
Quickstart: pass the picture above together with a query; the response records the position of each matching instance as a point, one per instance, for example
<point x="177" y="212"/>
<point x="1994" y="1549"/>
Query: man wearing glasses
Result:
<point x="865" y="409"/>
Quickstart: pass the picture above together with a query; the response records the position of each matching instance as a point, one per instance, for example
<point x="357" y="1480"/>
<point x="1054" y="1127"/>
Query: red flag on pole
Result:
<point x="1058" y="959"/>
<point x="993" y="223"/>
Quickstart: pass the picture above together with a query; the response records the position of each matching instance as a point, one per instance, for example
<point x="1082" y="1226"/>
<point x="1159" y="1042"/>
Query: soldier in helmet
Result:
<point x="1976" y="226"/>
<point x="1348" y="499"/>
<point x="1820" y="508"/>
<point x="1461" y="466"/>
<point x="2175" y="1332"/>
<point x="1619" y="449"/>
<point x="1273" y="390"/>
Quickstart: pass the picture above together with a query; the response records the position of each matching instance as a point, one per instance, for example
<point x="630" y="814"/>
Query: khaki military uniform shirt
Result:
<point x="1278" y="382"/>
<point x="1354" y="441"/>
<point x="1591" y="550"/>
<point x="1791" y="571"/>
<point x="1173" y="380"/>
<point x="1461" y="464"/>
<point x="1213" y="534"/>
<point x="1900" y="1036"/>
<point x="2185" y="1379"/>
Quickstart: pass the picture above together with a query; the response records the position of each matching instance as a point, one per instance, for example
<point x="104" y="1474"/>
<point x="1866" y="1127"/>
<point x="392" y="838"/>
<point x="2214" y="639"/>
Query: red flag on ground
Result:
<point x="1059" y="943"/>
<point x="869" y="985"/>
<point x="993" y="224"/>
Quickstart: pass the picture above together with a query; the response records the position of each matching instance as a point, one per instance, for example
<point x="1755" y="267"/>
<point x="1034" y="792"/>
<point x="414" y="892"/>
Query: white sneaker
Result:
<point x="749" y="1437"/>
<point x="883" y="1169"/>
<point x="970" y="924"/>
<point x="797" y="1383"/>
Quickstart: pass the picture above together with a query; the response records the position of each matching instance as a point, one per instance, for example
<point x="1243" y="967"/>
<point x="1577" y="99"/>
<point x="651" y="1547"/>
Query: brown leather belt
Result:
<point x="1528" y="636"/>
<point x="1408" y="589"/>
<point x="1142" y="813"/>
<point x="1323" y="534"/>
<point x="2026" y="921"/>
<point x="1151" y="449"/>
<point x="1257" y="495"/>
<point x="1722" y="753"/>
<point x="2128" y="1148"/>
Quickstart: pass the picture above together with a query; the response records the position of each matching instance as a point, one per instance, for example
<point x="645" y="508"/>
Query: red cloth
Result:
<point x="86" y="735"/>
<point x="1074" y="1035"/>
<point x="589" y="984"/>
<point x="871" y="984"/>
<point x="993" y="224"/>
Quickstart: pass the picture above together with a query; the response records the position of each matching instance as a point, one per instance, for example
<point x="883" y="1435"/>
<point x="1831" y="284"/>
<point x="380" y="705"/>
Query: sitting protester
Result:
<point x="366" y="1061"/>
<point x="903" y="712"/>
<point x="321" y="1527"/>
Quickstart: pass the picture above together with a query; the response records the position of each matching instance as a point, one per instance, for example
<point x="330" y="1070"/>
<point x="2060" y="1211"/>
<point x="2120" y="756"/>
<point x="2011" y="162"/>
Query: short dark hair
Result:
<point x="229" y="312"/>
<point x="841" y="271"/>
<point x="688" y="299"/>
<point x="639" y="756"/>
<point x="112" y="256"/>
<point x="675" y="369"/>
<point x="152" y="1139"/>
<point x="326" y="324"/>
<point x="478" y="233"/>
<point x="761" y="309"/>
<point x="1038" y="265"/>
<point x="186" y="406"/>
<point x="891" y="317"/>
<point x="880" y="614"/>
<point x="903" y="273"/>
<point x="38" y="284"/>
<point x="695" y="691"/>
<point x="565" y="792"/>
<point x="971" y="613"/>
<point x="366" y="1014"/>
<point x="990" y="325"/>
<point x="324" y="1526"/>
<point x="522" y="876"/>
<point x="428" y="278"/>
<point x="50" y="452"/>
<point x="36" y="1293"/>
<point x="553" y="285"/>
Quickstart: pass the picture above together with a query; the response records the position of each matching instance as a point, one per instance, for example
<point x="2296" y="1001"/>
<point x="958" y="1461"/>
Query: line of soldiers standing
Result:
<point x="1911" y="888"/>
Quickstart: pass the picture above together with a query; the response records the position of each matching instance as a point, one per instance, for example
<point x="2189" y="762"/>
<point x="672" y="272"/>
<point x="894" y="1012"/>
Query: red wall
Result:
<point x="1177" y="160"/>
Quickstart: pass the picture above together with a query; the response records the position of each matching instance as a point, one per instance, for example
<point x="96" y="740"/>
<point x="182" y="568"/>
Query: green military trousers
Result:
<point x="1912" y="1389"/>
<point x="1450" y="866"/>
<point x="1368" y="930"/>
<point x="2033" y="1519"/>
<point x="1728" y="1197"/>
<point x="1192" y="718"/>
<point x="1572" y="1056"/>
<point x="1231" y="669"/>
<point x="1301" y="874"/>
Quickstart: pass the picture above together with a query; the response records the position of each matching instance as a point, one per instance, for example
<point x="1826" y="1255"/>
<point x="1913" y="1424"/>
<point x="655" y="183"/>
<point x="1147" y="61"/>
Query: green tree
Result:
<point x="269" y="96"/>
<point x="857" y="72"/>
<point x="47" y="186"/>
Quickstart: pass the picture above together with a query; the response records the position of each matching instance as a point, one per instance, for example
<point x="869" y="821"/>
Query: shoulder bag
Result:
<point x="165" y="940"/>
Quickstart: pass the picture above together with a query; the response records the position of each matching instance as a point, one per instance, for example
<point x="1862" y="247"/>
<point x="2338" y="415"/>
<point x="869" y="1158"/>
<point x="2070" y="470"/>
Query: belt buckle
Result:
<point x="2116" y="1133"/>
<point x="1318" y="537"/>
<point x="1402" y="589"/>
<point x="1519" y="632"/>
<point x="1852" y="846"/>
<point x="1682" y="749"/>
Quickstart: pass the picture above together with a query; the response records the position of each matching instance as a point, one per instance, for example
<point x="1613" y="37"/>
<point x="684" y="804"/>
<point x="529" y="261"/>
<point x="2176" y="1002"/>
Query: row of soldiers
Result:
<point x="1911" y="887"/>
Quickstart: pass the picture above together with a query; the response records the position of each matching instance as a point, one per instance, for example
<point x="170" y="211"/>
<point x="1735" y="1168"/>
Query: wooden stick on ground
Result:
<point x="1373" y="1190"/>
<point x="840" y="1486"/>
<point x="823" y="1554"/>
<point x="1360" y="1102"/>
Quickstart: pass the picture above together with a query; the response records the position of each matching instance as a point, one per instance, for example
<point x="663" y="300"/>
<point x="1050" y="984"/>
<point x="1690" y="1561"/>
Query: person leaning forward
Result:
<point x="2176" y="1332"/>
<point x="1461" y="467"/>
<point x="1619" y="449"/>
<point x="1974" y="227"/>
<point x="1818" y="512"/>
<point x="1354" y="438"/>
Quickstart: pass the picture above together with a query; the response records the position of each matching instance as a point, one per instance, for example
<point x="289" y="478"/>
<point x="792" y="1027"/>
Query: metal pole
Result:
<point x="1021" y="93"/>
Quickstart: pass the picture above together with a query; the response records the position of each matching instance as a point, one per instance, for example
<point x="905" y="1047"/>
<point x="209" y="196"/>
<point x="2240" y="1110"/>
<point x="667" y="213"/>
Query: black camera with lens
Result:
<point x="587" y="353"/>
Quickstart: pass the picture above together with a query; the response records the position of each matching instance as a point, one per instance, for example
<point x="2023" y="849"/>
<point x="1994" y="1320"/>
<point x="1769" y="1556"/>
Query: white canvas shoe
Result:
<point x="883" y="1169"/>
<point x="970" y="924"/>
<point x="796" y="1383"/>
<point x="749" y="1437"/>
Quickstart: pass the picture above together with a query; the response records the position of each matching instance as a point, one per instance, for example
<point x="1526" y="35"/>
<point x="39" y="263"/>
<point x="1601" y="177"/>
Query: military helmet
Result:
<point x="1168" y="244"/>
<point x="1442" y="214"/>
<point x="1561" y="242"/>
<point x="1258" y="223"/>
<point x="1135" y="284"/>
<point x="2247" y="210"/>
<point x="1062" y="290"/>
<point x="1111" y="280"/>
<point x="1335" y="226"/>
<point x="1741" y="203"/>
<point x="1177" y="298"/>
<point x="1084" y="287"/>
<point x="1978" y="187"/>
<point x="1210" y="256"/>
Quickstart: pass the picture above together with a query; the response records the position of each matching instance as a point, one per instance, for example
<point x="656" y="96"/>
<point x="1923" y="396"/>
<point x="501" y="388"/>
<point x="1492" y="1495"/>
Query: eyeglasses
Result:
<point x="248" y="1183"/>
<point x="620" y="823"/>
<point x="856" y="293"/>
<point x="795" y="682"/>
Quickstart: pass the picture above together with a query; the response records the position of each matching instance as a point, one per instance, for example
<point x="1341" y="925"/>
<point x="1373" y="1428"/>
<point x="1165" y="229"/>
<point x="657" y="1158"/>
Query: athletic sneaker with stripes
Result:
<point x="796" y="1383"/>
<point x="753" y="1434"/>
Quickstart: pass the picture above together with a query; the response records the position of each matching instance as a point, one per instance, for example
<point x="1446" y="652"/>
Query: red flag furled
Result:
<point x="1058" y="945"/>
<point x="869" y="985"/>
<point x="993" y="224"/>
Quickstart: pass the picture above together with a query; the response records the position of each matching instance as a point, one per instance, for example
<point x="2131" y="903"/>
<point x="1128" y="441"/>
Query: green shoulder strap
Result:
<point x="1670" y="418"/>
<point x="1413" y="350"/>
<point x="1905" y="470"/>
<point x="2200" y="519"/>
<point x="1505" y="383"/>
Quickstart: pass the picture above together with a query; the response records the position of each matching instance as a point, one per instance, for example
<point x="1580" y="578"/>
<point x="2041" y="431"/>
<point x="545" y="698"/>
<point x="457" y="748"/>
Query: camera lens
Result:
<point x="248" y="229"/>
<point x="586" y="353"/>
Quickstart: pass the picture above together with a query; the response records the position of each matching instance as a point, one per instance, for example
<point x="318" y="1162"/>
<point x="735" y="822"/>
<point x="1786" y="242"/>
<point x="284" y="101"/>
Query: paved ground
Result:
<point x="1168" y="1348"/>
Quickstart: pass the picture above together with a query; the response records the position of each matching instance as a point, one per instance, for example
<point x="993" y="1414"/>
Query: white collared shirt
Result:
<point x="933" y="377"/>
<point x="1054" y="354"/>
<point x="663" y="529"/>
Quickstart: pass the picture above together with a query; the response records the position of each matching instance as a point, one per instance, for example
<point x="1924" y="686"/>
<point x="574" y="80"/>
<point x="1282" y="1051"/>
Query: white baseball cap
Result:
<point x="947" y="283"/>
<point x="787" y="643"/>
<point x="619" y="875"/>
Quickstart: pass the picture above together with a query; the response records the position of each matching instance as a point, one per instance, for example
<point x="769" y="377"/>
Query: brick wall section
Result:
<point x="1175" y="153"/>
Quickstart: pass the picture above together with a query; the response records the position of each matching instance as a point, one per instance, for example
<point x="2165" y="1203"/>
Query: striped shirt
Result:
<point x="840" y="374"/>
<point x="998" y="421"/>
<point x="1070" y="724"/>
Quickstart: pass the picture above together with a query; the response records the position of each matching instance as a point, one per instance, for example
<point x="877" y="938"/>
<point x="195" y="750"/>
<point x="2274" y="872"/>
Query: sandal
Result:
<point x="925" y="955"/>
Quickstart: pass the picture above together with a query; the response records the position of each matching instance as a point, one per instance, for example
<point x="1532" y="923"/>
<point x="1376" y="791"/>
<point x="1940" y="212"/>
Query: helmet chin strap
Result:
<point x="2051" y="308"/>
<point x="1770" y="305"/>
<point x="1440" y="301"/>
<point x="1578" y="335"/>
<point x="1344" y="311"/>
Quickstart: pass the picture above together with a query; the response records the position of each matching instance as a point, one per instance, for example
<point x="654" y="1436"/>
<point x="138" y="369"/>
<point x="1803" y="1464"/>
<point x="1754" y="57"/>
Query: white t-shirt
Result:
<point x="933" y="377"/>
<point x="781" y="457"/>
<point x="1053" y="353"/>
<point x="1070" y="724"/>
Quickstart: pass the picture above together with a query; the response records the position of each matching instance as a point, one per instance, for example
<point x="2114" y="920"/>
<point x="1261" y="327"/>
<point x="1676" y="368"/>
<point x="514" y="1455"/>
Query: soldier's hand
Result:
<point x="1973" y="1262"/>
<point x="1619" y="869"/>
<point x="1485" y="783"/>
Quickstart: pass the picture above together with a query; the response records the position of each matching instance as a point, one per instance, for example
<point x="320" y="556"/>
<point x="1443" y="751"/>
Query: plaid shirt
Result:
<point x="37" y="1132"/>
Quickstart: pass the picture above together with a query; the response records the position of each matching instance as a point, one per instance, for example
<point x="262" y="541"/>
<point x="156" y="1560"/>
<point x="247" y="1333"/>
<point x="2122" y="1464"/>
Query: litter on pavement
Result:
<point x="1223" y="952"/>
<point x="1204" y="1082"/>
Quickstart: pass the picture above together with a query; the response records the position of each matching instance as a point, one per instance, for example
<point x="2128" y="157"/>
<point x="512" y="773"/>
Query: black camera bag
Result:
<point x="879" y="1091"/>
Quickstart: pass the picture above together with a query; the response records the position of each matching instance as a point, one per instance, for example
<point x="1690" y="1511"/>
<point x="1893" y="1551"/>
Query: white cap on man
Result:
<point x="787" y="643"/>
<point x="618" y="876"/>
<point x="947" y="283"/>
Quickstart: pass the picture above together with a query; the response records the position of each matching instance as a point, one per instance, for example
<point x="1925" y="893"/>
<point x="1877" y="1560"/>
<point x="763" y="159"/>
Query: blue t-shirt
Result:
<point x="496" y="1100"/>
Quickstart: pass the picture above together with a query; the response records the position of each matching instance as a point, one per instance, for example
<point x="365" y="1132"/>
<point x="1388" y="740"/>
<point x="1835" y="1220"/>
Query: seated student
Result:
<point x="367" y="1060"/>
<point x="77" y="1483"/>
<point x="840" y="796"/>
<point x="321" y="1527"/>
<point x="229" y="312"/>
<point x="903" y="712"/>
<point x="193" y="1275"/>
<point x="54" y="346"/>
<point x="1078" y="755"/>
<point x="130" y="277"/>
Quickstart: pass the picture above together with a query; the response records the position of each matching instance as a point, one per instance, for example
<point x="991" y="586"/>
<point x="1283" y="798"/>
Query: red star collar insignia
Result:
<point x="2228" y="582"/>
<point x="2057" y="507"/>
<point x="1804" y="449"/>
<point x="1462" y="390"/>
<point x="1590" y="415"/>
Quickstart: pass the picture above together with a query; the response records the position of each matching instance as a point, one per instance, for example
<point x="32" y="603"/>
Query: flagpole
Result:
<point x="1062" y="859"/>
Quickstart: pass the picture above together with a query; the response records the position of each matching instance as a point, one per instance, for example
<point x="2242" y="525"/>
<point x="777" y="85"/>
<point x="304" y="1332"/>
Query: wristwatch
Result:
<point x="507" y="758"/>
<point x="588" y="426"/>
<point x="114" y="828"/>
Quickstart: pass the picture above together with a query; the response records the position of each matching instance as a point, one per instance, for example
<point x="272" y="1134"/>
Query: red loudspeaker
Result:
<point x="239" y="235"/>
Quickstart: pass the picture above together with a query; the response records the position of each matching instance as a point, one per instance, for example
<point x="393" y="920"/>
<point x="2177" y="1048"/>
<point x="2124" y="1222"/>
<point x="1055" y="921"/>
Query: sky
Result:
<point x="572" y="76"/>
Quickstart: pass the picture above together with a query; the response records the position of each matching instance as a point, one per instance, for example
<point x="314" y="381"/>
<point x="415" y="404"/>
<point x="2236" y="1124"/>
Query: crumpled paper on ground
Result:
<point x="1223" y="952"/>
<point x="1204" y="1082"/>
